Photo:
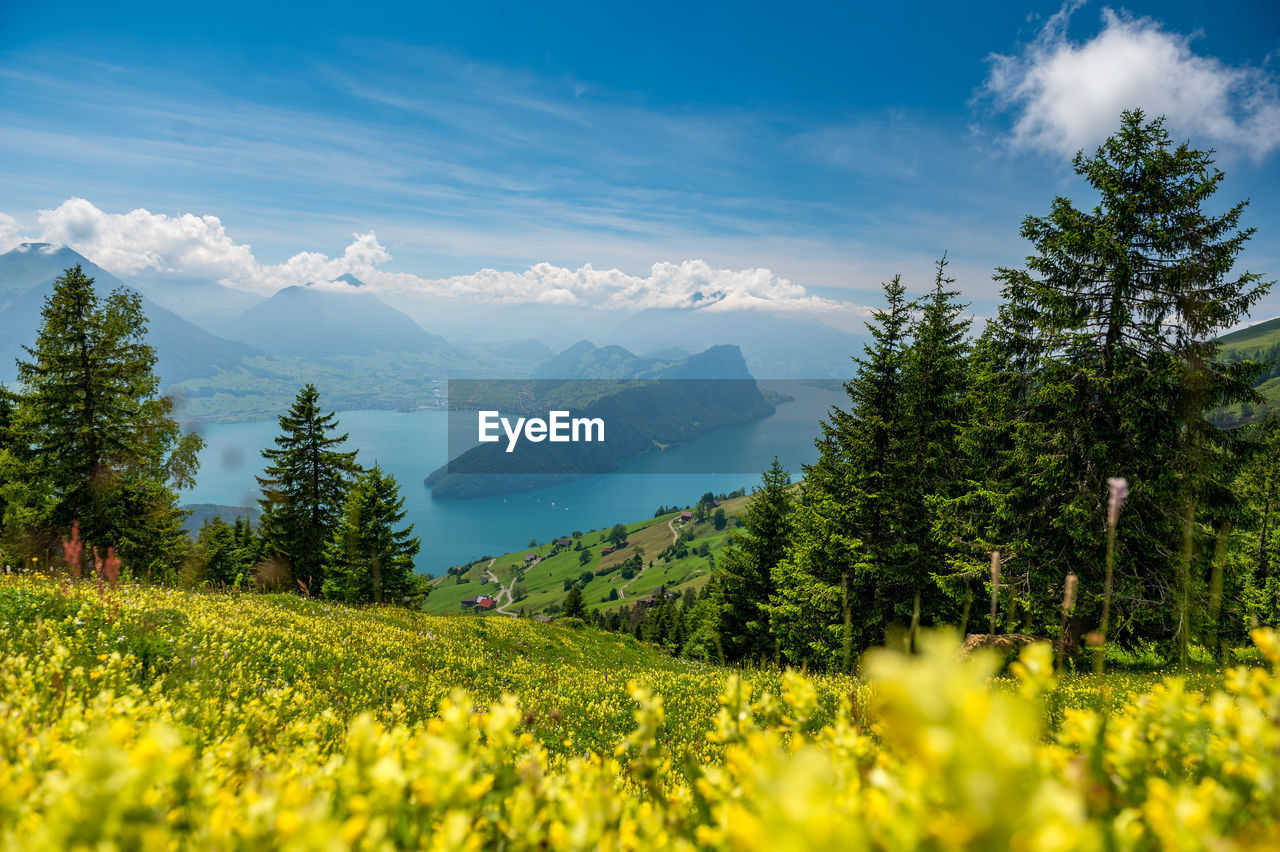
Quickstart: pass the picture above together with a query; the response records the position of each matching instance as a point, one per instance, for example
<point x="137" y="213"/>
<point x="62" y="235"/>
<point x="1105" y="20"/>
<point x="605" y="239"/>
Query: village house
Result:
<point x="649" y="600"/>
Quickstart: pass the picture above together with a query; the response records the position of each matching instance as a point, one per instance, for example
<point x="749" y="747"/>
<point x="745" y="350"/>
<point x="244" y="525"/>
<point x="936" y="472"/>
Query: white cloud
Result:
<point x="1070" y="95"/>
<point x="10" y="233"/>
<point x="142" y="241"/>
<point x="190" y="246"/>
<point x="692" y="285"/>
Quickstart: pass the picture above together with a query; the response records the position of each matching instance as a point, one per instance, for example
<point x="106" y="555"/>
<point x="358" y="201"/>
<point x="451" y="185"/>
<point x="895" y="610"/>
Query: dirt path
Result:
<point x="622" y="590"/>
<point x="505" y="591"/>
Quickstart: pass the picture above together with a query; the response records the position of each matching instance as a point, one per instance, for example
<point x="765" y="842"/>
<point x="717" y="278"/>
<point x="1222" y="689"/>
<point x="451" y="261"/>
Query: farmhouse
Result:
<point x="650" y="600"/>
<point x="564" y="542"/>
<point x="483" y="602"/>
<point x="686" y="515"/>
<point x="607" y="550"/>
<point x="532" y="557"/>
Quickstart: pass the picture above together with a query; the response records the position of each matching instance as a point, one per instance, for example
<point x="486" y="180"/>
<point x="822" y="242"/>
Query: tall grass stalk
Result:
<point x="1184" y="580"/>
<point x="1068" y="601"/>
<point x="1215" y="589"/>
<point x="995" y="589"/>
<point x="1119" y="491"/>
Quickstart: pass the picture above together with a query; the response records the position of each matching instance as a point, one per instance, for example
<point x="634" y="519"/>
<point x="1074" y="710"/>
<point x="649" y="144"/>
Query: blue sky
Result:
<point x="790" y="156"/>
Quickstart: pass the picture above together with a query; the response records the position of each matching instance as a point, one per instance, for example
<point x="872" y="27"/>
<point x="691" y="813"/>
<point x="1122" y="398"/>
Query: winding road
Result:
<point x="505" y="591"/>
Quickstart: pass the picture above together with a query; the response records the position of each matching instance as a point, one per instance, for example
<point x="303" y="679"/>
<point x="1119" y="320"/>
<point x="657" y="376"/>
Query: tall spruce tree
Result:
<point x="935" y="379"/>
<point x="983" y="514"/>
<point x="91" y="439"/>
<point x="304" y="488"/>
<point x="1111" y="331"/>
<point x="847" y="523"/>
<point x="6" y="457"/>
<point x="744" y="574"/>
<point x="369" y="559"/>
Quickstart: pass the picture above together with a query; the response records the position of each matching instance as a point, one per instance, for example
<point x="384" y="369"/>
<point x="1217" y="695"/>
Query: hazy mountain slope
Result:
<point x="774" y="347"/>
<point x="183" y="349"/>
<point x="205" y="303"/>
<point x="310" y="322"/>
<point x="585" y="360"/>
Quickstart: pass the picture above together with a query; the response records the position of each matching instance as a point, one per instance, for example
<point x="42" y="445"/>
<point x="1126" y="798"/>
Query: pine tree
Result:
<point x="304" y="487"/>
<point x="984" y="514"/>
<point x="1259" y="487"/>
<point x="744" y="575"/>
<point x="574" y="605"/>
<point x="849" y="518"/>
<point x="7" y="463"/>
<point x="370" y="556"/>
<point x="935" y="383"/>
<point x="227" y="551"/>
<point x="91" y="439"/>
<point x="1111" y="330"/>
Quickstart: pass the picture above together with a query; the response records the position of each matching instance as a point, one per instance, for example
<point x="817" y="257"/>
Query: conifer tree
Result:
<point x="574" y="605"/>
<point x="847" y="523"/>
<point x="744" y="575"/>
<point x="1111" y="330"/>
<point x="304" y="487"/>
<point x="369" y="559"/>
<point x="91" y="438"/>
<point x="935" y="382"/>
<point x="6" y="458"/>
<point x="226" y="550"/>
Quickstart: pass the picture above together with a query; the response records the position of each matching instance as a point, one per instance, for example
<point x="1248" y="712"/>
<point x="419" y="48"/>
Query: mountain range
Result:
<point x="184" y="350"/>
<point x="314" y="323"/>
<point x="227" y="354"/>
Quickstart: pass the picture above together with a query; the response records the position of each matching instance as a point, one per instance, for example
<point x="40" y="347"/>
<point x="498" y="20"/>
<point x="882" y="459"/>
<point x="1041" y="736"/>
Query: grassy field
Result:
<point x="543" y="582"/>
<point x="145" y="718"/>
<point x="1251" y="343"/>
<point x="1252" y="340"/>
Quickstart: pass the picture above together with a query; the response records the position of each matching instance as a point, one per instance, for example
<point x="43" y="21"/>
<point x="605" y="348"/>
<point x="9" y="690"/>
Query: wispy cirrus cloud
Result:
<point x="1069" y="94"/>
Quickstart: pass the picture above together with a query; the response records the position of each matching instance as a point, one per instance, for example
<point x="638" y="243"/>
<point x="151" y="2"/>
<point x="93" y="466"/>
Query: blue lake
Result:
<point x="411" y="445"/>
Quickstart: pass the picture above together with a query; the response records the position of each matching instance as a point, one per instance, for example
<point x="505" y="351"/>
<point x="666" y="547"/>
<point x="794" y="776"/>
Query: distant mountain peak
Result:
<point x="346" y="278"/>
<point x="42" y="248"/>
<point x="312" y="321"/>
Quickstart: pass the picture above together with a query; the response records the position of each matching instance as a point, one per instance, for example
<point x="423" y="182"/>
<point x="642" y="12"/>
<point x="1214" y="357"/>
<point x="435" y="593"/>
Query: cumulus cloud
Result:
<point x="1069" y="95"/>
<point x="692" y="285"/>
<point x="140" y="241"/>
<point x="10" y="233"/>
<point x="199" y="246"/>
